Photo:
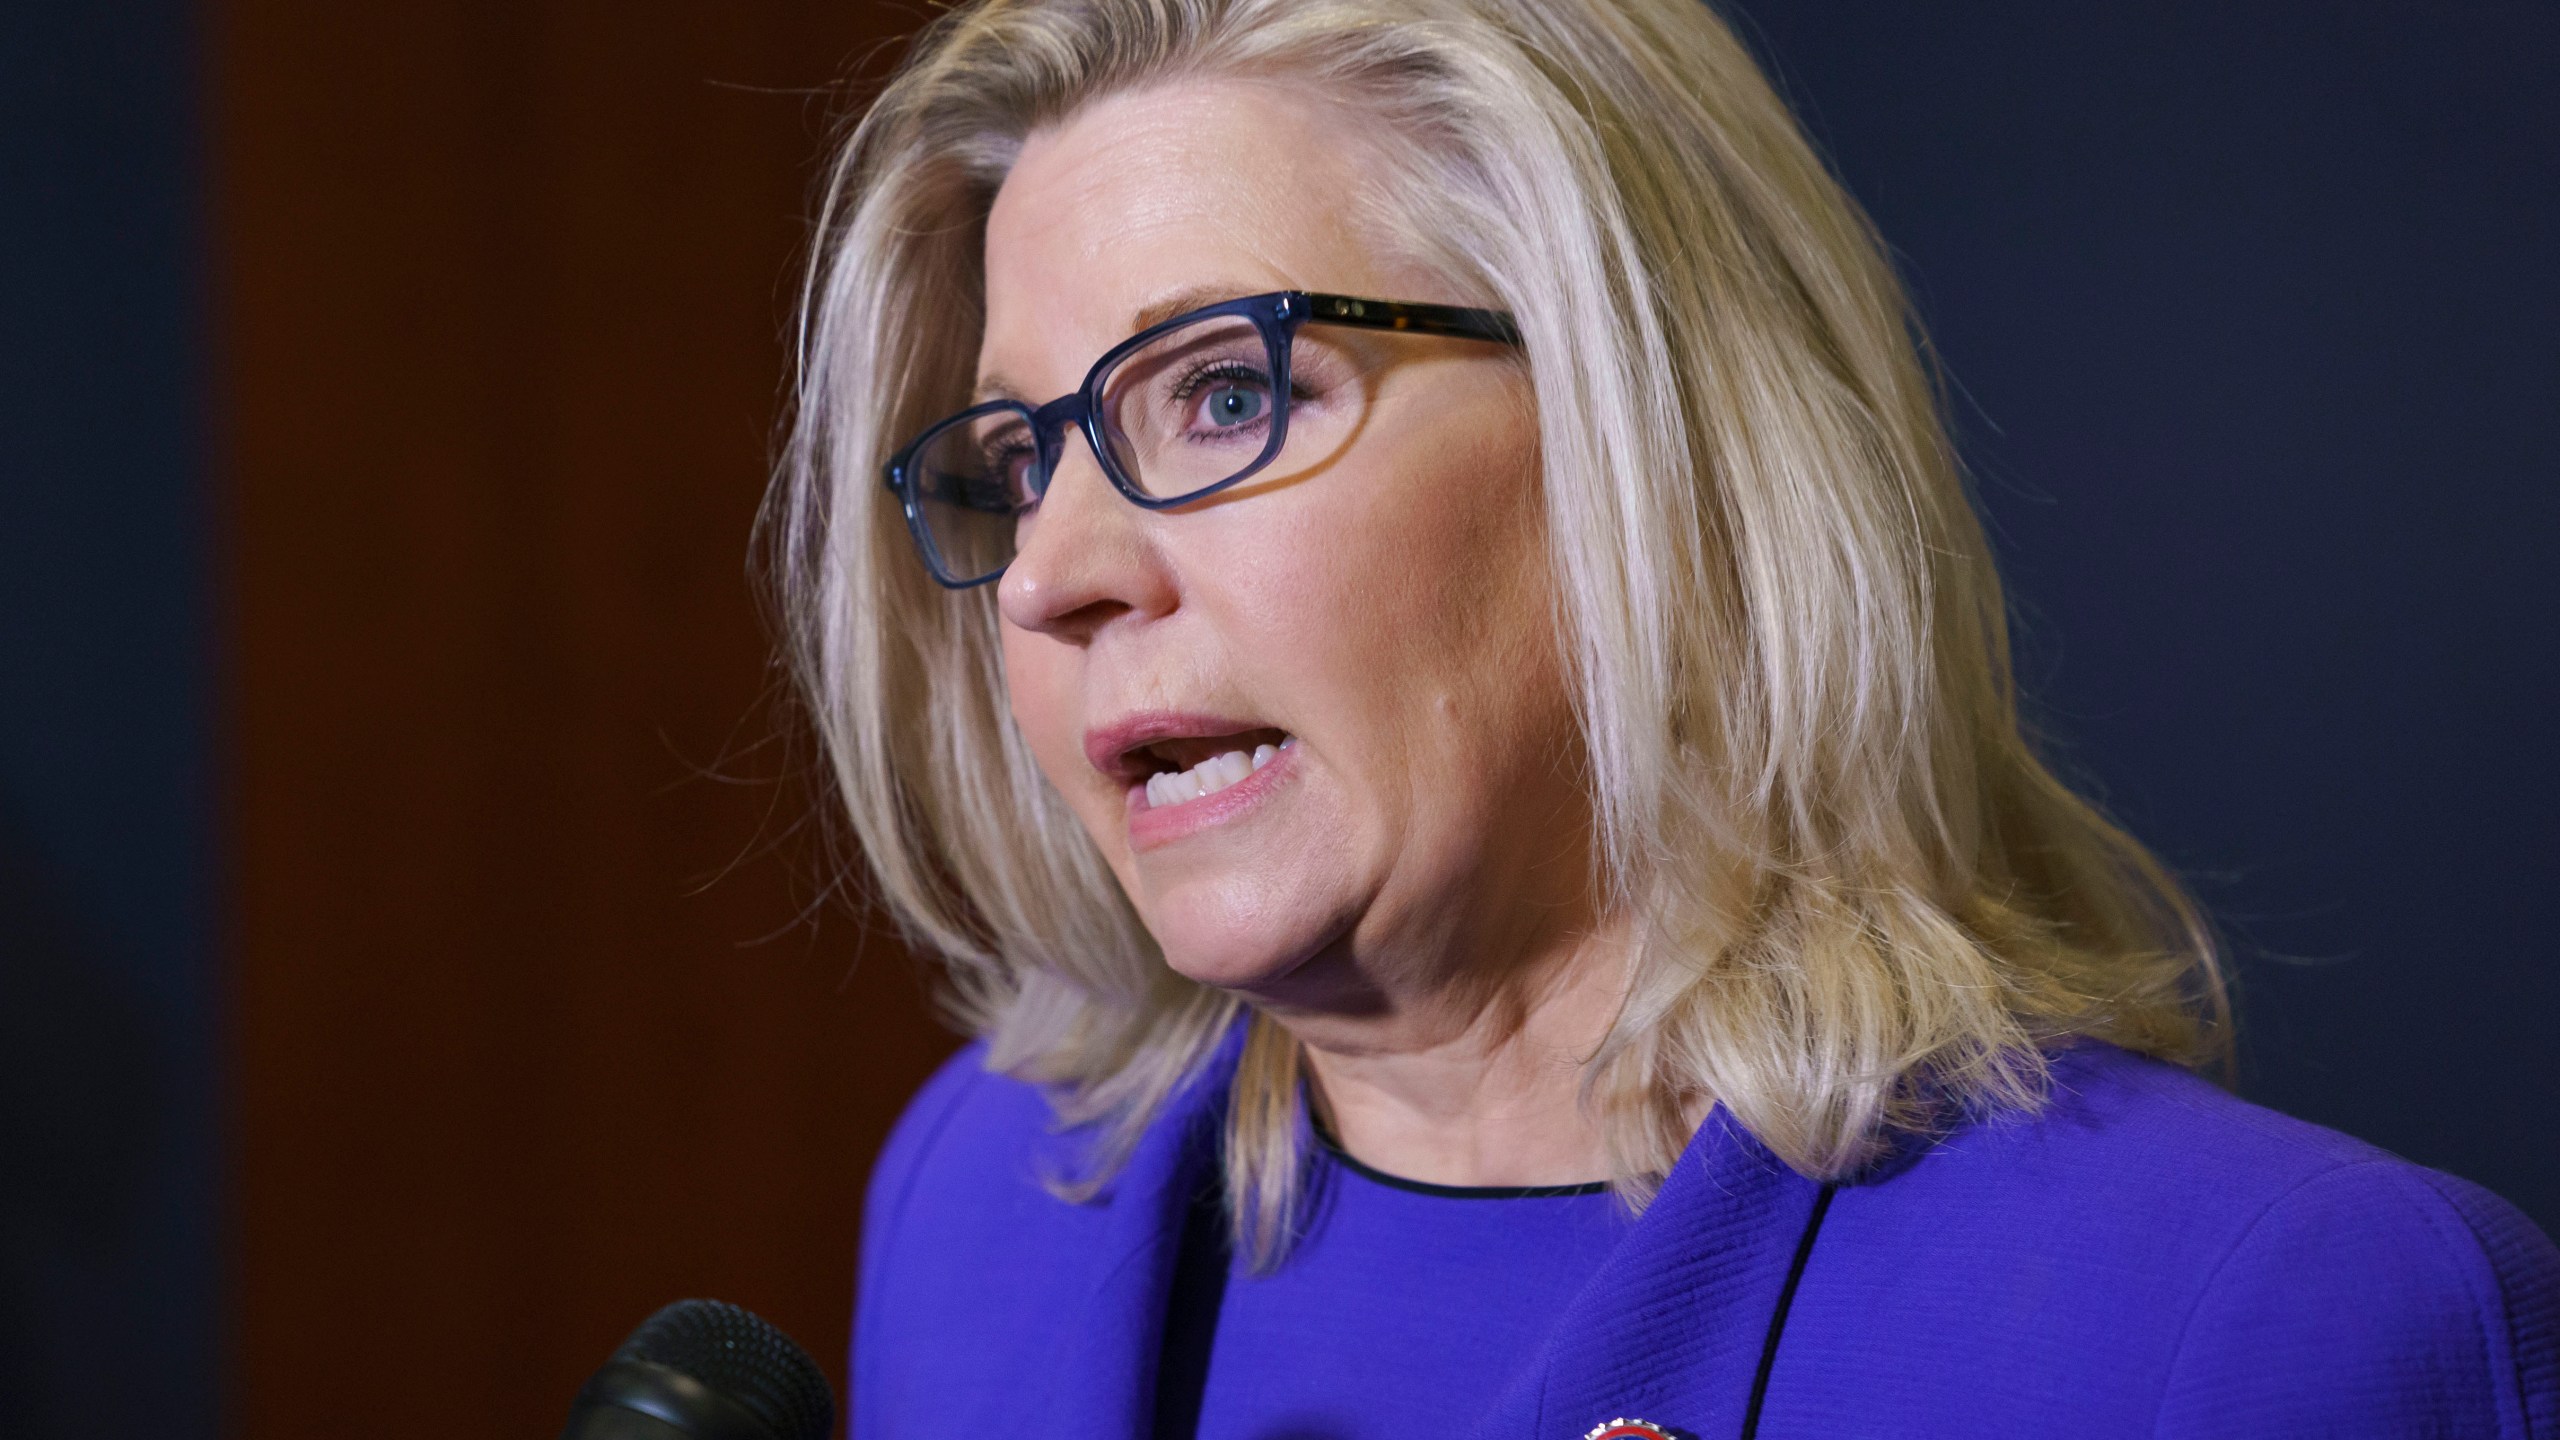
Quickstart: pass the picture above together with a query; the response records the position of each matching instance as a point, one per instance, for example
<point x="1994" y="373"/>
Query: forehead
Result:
<point x="1218" y="185"/>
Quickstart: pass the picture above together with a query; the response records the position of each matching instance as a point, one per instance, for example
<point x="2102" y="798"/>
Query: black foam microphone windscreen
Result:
<point x="705" y="1370"/>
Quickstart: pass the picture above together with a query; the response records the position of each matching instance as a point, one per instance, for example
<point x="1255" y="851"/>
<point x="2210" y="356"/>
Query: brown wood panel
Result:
<point x="503" y="296"/>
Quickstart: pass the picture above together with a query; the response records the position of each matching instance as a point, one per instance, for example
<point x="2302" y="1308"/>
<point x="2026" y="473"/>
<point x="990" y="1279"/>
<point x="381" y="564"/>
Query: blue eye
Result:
<point x="1231" y="404"/>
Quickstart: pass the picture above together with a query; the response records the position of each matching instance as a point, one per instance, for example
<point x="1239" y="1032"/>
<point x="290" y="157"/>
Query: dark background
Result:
<point x="387" y="824"/>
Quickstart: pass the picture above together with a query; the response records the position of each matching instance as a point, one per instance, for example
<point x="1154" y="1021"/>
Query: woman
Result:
<point x="1384" y="582"/>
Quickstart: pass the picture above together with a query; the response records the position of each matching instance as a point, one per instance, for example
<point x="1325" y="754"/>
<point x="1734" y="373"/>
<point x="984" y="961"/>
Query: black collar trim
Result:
<point x="1333" y="1147"/>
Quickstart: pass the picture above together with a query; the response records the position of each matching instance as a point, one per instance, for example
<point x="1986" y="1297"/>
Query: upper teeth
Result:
<point x="1208" y="777"/>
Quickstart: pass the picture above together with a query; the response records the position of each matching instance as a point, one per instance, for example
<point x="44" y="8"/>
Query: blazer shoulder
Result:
<point x="2134" y="1131"/>
<point x="2380" y="1282"/>
<point x="934" y="1224"/>
<point x="964" y="1128"/>
<point x="919" y="1126"/>
<point x="2206" y="1262"/>
<point x="2122" y="1132"/>
<point x="2374" y="1297"/>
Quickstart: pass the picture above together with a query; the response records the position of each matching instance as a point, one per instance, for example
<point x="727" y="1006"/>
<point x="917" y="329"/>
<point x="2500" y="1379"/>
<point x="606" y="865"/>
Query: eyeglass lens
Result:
<point x="1192" y="408"/>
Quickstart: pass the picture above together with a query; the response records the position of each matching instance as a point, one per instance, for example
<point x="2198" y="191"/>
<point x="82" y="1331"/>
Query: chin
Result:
<point x="1225" y="956"/>
<point x="1242" y="943"/>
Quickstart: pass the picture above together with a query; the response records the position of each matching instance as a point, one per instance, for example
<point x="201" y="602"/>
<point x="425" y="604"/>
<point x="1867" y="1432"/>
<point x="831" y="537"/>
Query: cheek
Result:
<point x="1427" y="567"/>
<point x="1041" y="682"/>
<point x="1408" y="605"/>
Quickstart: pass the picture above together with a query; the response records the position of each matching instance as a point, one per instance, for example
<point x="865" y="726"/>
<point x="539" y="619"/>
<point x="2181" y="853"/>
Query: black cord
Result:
<point x="1778" y="1317"/>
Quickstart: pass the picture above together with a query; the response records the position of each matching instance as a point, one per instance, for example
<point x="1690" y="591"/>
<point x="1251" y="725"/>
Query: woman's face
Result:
<point x="1375" y="608"/>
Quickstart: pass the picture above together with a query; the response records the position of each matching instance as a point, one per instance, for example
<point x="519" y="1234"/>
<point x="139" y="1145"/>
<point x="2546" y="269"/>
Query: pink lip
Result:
<point x="1150" y="826"/>
<point x="1105" y="745"/>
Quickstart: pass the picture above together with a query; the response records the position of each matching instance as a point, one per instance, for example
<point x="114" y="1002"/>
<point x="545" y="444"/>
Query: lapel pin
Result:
<point x="1630" y="1430"/>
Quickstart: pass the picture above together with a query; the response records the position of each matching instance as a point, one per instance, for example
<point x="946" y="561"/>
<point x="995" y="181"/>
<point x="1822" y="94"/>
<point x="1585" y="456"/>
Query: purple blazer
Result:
<point x="2149" y="1256"/>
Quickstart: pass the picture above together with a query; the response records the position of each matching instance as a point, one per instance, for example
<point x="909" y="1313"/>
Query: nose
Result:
<point x="1084" y="557"/>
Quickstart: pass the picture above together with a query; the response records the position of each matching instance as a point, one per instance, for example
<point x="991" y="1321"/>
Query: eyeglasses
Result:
<point x="1180" y="410"/>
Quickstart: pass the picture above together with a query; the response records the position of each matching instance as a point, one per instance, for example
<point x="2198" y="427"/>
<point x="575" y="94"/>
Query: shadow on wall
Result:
<point x="84" y="1111"/>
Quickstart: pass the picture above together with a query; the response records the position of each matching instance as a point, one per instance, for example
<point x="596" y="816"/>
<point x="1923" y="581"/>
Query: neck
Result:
<point x="1482" y="1092"/>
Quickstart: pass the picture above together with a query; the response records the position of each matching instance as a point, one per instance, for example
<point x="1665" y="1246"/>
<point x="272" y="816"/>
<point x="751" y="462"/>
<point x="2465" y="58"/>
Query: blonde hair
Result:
<point x="1863" y="904"/>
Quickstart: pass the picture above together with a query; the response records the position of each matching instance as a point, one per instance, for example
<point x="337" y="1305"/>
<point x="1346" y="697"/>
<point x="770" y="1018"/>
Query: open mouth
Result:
<point x="1180" y="769"/>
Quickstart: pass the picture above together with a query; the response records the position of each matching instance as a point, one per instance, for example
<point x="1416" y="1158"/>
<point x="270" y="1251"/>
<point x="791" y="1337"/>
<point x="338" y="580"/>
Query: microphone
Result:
<point x="705" y="1370"/>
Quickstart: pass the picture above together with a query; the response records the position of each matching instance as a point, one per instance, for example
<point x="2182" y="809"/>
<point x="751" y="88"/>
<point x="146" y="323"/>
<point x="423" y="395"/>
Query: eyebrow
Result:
<point x="1154" y="312"/>
<point x="1186" y="299"/>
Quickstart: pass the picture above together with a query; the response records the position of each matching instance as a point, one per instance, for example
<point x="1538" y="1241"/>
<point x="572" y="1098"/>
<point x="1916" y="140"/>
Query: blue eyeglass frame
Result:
<point x="1277" y="316"/>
